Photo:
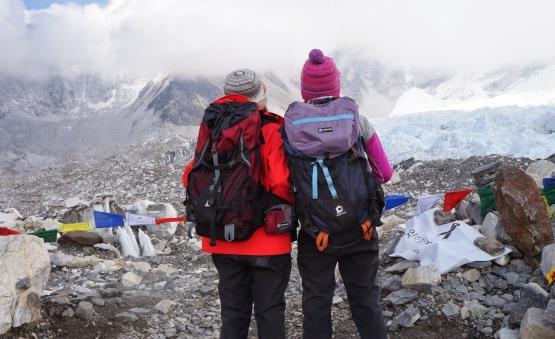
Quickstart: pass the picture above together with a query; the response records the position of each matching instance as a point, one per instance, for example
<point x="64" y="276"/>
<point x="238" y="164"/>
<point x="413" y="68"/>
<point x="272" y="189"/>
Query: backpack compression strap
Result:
<point x="366" y="229"/>
<point x="322" y="240"/>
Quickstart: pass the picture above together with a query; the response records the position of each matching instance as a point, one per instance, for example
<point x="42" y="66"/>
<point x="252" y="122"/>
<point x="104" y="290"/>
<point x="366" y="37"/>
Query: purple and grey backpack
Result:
<point x="325" y="129"/>
<point x="336" y="197"/>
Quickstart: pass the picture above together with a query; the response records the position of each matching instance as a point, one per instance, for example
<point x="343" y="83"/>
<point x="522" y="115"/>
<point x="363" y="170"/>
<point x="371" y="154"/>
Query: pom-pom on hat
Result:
<point x="319" y="77"/>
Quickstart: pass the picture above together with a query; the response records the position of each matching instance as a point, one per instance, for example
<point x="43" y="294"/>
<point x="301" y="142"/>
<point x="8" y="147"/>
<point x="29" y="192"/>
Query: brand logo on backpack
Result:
<point x="325" y="129"/>
<point x="339" y="210"/>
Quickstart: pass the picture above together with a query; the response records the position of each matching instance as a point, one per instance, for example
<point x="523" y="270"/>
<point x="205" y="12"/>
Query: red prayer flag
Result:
<point x="452" y="199"/>
<point x="164" y="220"/>
<point x="7" y="231"/>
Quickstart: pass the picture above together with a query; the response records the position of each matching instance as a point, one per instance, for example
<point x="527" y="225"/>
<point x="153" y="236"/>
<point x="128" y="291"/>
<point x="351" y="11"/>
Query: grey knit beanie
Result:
<point x="246" y="83"/>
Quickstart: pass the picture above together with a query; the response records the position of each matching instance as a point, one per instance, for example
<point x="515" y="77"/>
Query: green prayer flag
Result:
<point x="487" y="200"/>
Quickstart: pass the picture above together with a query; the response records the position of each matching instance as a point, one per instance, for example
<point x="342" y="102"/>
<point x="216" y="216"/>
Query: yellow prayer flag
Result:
<point x="75" y="227"/>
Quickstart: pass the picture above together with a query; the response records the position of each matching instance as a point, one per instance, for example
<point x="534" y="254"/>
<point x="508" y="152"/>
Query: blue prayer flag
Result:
<point x="392" y="201"/>
<point x="548" y="182"/>
<point x="104" y="220"/>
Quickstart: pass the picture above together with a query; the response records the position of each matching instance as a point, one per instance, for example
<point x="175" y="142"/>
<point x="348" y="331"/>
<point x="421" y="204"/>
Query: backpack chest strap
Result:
<point x="327" y="176"/>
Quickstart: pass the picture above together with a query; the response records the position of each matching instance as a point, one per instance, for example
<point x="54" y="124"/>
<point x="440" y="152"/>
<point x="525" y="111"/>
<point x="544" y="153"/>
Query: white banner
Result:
<point x="446" y="246"/>
<point x="136" y="220"/>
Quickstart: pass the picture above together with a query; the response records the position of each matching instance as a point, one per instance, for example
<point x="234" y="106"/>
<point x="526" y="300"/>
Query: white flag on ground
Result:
<point x="447" y="246"/>
<point x="147" y="249"/>
<point x="136" y="220"/>
<point x="426" y="201"/>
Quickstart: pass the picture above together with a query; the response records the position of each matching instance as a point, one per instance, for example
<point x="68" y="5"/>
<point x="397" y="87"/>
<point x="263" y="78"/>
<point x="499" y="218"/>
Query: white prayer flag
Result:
<point x="426" y="201"/>
<point x="136" y="220"/>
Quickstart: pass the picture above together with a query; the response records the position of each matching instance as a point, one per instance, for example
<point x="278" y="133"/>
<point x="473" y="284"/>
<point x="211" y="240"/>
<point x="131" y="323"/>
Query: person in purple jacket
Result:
<point x="358" y="263"/>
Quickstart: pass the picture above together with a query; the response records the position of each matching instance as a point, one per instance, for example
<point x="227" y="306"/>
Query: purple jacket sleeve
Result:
<point x="377" y="158"/>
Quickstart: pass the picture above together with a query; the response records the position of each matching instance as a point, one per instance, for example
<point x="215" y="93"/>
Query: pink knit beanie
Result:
<point x="320" y="76"/>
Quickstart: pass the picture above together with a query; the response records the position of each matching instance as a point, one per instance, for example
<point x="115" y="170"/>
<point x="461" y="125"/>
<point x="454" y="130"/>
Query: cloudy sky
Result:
<point x="141" y="37"/>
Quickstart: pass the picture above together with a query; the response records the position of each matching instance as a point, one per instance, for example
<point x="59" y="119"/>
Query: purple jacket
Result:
<point x="376" y="155"/>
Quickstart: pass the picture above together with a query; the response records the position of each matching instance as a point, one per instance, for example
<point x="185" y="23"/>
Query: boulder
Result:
<point x="539" y="170"/>
<point x="83" y="238"/>
<point x="421" y="277"/>
<point x="523" y="212"/>
<point x="23" y="258"/>
<point x="534" y="326"/>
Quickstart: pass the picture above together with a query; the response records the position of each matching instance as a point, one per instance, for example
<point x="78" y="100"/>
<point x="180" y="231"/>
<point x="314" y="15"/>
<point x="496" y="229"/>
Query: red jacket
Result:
<point x="275" y="179"/>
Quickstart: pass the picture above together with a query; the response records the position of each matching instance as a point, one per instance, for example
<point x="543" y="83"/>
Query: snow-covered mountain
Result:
<point x="42" y="120"/>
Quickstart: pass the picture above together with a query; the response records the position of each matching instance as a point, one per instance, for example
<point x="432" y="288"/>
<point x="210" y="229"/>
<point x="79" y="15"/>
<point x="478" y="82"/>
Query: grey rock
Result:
<point x="534" y="326"/>
<point x="68" y="313"/>
<point x="534" y="295"/>
<point x="450" y="309"/>
<point x="408" y="317"/>
<point x="547" y="263"/>
<point x="402" y="266"/>
<point x="98" y="301"/>
<point x="549" y="313"/>
<point x="130" y="280"/>
<point x="165" y="306"/>
<point x="489" y="224"/>
<point x="511" y="277"/>
<point x="126" y="316"/>
<point x="463" y="289"/>
<point x="23" y="284"/>
<point x="391" y="283"/>
<point x="507" y="333"/>
<point x="489" y="245"/>
<point x="495" y="301"/>
<point x="476" y="308"/>
<point x="473" y="211"/>
<point x="401" y="296"/>
<point x="487" y="331"/>
<point x="471" y="275"/>
<point x="421" y="277"/>
<point x="141" y="312"/>
<point x="479" y="264"/>
<point x="520" y="266"/>
<point x="501" y="284"/>
<point x="84" y="310"/>
<point x="441" y="217"/>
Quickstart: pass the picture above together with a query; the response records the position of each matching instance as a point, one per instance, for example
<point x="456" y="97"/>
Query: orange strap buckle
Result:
<point x="366" y="229"/>
<point x="322" y="241"/>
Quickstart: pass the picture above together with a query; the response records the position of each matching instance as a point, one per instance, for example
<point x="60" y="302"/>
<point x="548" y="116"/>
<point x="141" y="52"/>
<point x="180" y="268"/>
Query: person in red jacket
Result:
<point x="255" y="270"/>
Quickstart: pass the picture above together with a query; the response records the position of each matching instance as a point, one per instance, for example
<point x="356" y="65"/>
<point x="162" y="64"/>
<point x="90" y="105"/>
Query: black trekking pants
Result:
<point x="358" y="265"/>
<point x="245" y="280"/>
